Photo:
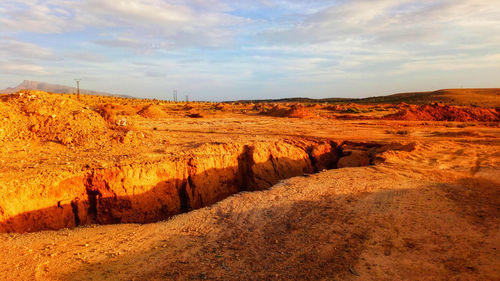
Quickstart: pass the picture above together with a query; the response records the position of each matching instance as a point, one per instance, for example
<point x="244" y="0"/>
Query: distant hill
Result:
<point x="476" y="97"/>
<point x="53" y="88"/>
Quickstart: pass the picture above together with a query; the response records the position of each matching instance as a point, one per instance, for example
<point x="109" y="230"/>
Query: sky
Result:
<point x="241" y="49"/>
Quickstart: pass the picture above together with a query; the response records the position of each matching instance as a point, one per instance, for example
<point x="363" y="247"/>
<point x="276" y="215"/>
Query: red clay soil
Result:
<point x="438" y="112"/>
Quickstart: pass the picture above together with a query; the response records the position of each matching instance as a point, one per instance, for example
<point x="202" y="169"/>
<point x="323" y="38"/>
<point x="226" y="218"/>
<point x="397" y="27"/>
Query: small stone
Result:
<point x="353" y="271"/>
<point x="121" y="122"/>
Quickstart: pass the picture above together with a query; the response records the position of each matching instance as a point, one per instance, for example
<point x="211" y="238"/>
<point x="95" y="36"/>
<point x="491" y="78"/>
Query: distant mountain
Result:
<point x="53" y="88"/>
<point x="476" y="97"/>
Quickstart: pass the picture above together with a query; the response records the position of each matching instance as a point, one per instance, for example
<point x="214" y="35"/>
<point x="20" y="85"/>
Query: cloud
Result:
<point x="389" y="36"/>
<point x="125" y="43"/>
<point x="162" y="24"/>
<point x="168" y="24"/>
<point x="451" y="62"/>
<point x="22" y="69"/>
<point x="35" y="16"/>
<point x="154" y="74"/>
<point x="393" y="22"/>
<point x="233" y="46"/>
<point x="13" y="48"/>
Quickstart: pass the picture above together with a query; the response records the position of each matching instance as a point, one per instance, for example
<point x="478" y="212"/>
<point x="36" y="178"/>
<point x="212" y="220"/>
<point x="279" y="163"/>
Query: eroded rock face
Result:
<point x="151" y="192"/>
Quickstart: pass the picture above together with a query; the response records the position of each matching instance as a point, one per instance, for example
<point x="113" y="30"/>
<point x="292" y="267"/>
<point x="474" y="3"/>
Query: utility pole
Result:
<point x="187" y="98"/>
<point x="175" y="95"/>
<point x="78" y="87"/>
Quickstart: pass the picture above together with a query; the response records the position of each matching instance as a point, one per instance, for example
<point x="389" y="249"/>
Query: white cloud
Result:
<point x="13" y="48"/>
<point x="389" y="36"/>
<point x="224" y="46"/>
<point x="391" y="21"/>
<point x="34" y="16"/>
<point x="171" y="23"/>
<point x="22" y="69"/>
<point x="451" y="62"/>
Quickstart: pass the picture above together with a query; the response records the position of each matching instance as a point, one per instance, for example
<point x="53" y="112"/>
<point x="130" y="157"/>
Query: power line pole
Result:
<point x="78" y="87"/>
<point x="175" y="95"/>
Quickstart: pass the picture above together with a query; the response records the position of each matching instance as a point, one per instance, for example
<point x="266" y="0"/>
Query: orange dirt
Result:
<point x="240" y="196"/>
<point x="152" y="111"/>
<point x="293" y="111"/>
<point x="437" y="112"/>
<point x="49" y="117"/>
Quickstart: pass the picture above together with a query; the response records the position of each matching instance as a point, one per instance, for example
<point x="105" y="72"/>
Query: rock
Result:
<point x="121" y="122"/>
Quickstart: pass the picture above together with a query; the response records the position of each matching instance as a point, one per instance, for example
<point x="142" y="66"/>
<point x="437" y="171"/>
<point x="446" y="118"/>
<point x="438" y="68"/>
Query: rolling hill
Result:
<point x="482" y="97"/>
<point x="475" y="97"/>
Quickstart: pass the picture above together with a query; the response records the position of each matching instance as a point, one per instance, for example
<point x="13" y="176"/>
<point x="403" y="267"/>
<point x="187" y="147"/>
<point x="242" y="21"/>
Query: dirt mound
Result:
<point x="221" y="106"/>
<point x="334" y="107"/>
<point x="294" y="111"/>
<point x="194" y="115"/>
<point x="187" y="107"/>
<point x="115" y="112"/>
<point x="258" y="107"/>
<point x="12" y="125"/>
<point x="49" y="117"/>
<point x="152" y="111"/>
<point x="438" y="112"/>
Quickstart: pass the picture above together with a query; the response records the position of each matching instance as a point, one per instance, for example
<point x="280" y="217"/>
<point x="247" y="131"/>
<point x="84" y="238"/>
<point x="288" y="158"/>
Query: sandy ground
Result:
<point x="432" y="213"/>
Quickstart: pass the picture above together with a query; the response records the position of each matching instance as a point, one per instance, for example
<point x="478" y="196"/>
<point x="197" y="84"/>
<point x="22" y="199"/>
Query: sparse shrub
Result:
<point x="353" y="110"/>
<point x="463" y="125"/>
<point x="397" y="132"/>
<point x="402" y="132"/>
<point x="194" y="115"/>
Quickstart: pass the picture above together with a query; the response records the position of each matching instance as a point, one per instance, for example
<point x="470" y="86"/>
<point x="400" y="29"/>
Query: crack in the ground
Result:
<point x="106" y="200"/>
